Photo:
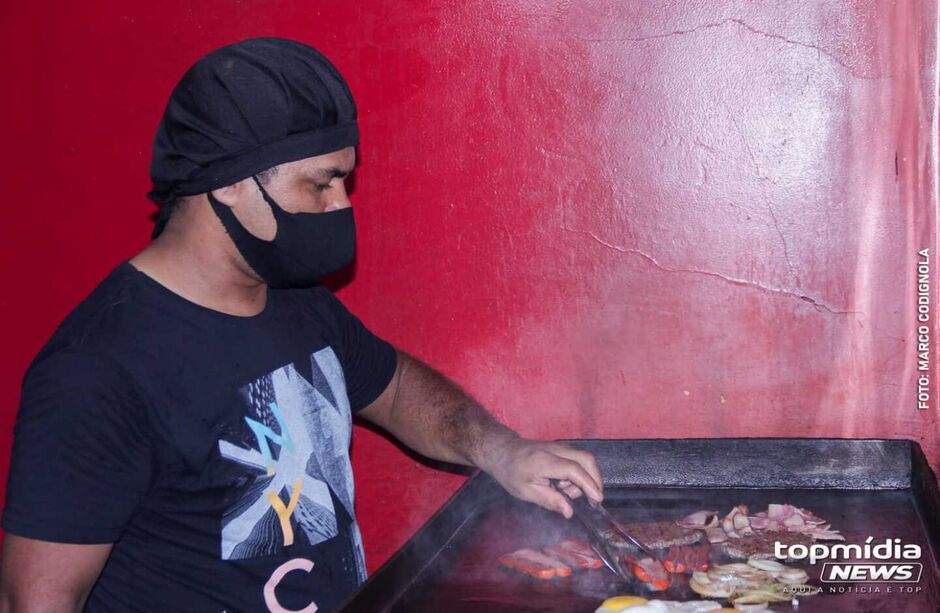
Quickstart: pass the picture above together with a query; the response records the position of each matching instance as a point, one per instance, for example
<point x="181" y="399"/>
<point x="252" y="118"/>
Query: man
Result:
<point x="182" y="441"/>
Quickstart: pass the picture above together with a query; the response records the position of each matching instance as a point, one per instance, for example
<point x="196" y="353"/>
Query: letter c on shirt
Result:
<point x="271" y="600"/>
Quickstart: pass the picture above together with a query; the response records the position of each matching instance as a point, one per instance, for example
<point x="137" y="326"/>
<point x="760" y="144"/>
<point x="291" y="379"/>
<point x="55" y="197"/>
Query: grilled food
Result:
<point x="632" y="604"/>
<point x="761" y="546"/>
<point x="686" y="558"/>
<point x="616" y="604"/>
<point x="753" y="585"/>
<point x="535" y="564"/>
<point x="656" y="535"/>
<point x="574" y="553"/>
<point x="777" y="518"/>
<point x="652" y="573"/>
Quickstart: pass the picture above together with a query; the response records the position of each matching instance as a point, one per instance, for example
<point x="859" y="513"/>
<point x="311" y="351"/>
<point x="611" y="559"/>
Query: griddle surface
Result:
<point x="464" y="575"/>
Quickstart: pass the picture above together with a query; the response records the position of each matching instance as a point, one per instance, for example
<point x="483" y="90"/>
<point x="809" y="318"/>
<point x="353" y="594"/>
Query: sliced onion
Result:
<point x="701" y="577"/>
<point x="709" y="589"/>
<point x="805" y="590"/>
<point x="716" y="535"/>
<point x="734" y="566"/>
<point x="793" y="576"/>
<point x="770" y="593"/>
<point x="770" y="566"/>
<point x="793" y="521"/>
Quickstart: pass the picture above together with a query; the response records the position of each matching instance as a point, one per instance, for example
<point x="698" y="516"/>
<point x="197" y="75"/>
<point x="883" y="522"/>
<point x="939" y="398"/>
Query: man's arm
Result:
<point x="431" y="415"/>
<point x="39" y="576"/>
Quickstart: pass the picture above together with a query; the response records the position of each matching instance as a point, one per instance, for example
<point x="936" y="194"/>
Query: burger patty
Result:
<point x="761" y="546"/>
<point x="656" y="535"/>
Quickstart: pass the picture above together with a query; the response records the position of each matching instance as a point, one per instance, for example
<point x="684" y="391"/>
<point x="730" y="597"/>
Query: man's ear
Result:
<point x="236" y="194"/>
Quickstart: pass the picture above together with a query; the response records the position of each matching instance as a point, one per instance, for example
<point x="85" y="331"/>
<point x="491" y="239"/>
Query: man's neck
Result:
<point x="202" y="272"/>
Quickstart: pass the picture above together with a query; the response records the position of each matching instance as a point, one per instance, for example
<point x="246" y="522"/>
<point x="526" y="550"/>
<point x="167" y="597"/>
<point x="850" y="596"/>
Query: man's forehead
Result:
<point x="343" y="161"/>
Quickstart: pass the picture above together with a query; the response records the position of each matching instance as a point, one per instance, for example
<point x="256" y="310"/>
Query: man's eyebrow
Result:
<point x="331" y="172"/>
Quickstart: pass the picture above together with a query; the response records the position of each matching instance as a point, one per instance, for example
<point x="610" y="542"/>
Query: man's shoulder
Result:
<point x="112" y="310"/>
<point x="84" y="350"/>
<point x="114" y="321"/>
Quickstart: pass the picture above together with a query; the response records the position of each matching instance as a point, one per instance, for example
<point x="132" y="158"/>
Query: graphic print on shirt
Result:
<point x="297" y="442"/>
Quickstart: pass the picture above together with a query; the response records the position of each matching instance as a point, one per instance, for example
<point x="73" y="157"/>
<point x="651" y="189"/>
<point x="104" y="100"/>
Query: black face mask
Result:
<point x="305" y="248"/>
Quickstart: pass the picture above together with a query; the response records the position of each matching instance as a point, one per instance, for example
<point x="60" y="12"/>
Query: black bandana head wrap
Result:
<point x="243" y="109"/>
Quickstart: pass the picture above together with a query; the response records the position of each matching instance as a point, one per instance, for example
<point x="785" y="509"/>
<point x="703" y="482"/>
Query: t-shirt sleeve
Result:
<point x="81" y="451"/>
<point x="368" y="361"/>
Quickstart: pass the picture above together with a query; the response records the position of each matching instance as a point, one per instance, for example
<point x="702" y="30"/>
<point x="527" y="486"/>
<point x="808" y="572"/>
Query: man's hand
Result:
<point x="430" y="414"/>
<point x="525" y="469"/>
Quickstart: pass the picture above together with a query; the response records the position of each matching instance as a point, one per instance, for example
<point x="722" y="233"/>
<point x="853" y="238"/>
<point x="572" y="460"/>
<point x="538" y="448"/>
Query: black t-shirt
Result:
<point x="211" y="449"/>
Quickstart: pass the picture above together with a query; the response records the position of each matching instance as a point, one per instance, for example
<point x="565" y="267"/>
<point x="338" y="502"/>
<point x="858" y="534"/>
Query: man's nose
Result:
<point x="339" y="200"/>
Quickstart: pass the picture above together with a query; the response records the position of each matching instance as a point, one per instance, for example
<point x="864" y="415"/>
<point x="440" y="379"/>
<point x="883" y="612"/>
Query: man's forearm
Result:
<point x="433" y="416"/>
<point x="39" y="576"/>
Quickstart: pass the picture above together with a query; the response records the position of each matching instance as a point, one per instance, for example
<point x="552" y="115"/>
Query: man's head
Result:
<point x="262" y="113"/>
<point x="311" y="185"/>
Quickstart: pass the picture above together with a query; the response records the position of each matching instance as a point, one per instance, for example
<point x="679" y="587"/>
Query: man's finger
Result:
<point x="572" y="490"/>
<point x="574" y="472"/>
<point x="545" y="496"/>
<point x="586" y="460"/>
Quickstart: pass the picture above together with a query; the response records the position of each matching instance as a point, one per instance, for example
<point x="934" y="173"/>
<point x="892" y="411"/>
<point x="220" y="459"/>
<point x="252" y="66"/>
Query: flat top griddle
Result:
<point x="882" y="489"/>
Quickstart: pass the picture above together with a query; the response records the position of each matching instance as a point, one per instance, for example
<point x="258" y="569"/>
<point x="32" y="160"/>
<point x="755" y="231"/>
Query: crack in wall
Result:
<point x="816" y="304"/>
<point x="783" y="240"/>
<point x="744" y="25"/>
<point x="763" y="179"/>
<point x="705" y="146"/>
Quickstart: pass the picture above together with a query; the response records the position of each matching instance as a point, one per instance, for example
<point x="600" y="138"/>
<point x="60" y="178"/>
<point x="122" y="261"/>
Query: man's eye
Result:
<point x="322" y="186"/>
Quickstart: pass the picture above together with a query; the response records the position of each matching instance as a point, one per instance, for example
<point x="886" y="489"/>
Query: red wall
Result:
<point x="632" y="220"/>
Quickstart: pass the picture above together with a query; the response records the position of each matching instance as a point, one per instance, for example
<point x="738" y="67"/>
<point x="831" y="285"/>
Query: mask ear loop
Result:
<point x="275" y="207"/>
<point x="225" y="213"/>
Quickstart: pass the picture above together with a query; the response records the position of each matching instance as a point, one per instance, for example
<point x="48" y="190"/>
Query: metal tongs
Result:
<point x="596" y="519"/>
